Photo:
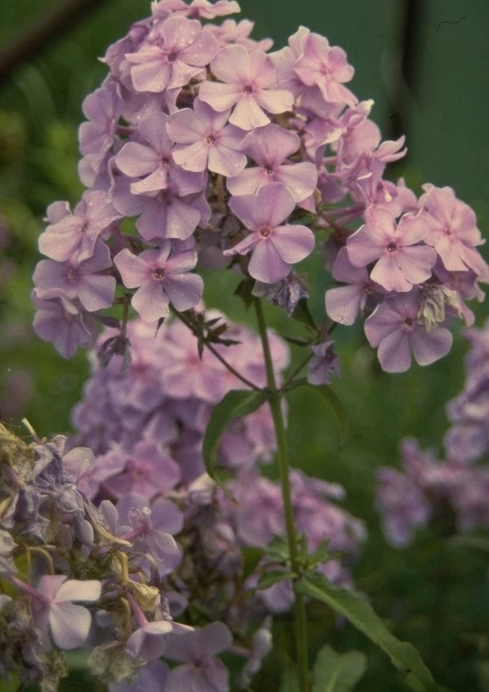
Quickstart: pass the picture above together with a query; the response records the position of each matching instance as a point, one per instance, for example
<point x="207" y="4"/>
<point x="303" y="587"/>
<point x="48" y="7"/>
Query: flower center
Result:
<point x="72" y="275"/>
<point x="265" y="231"/>
<point x="392" y="247"/>
<point x="211" y="139"/>
<point x="408" y="324"/>
<point x="172" y="57"/>
<point x="159" y="273"/>
<point x="248" y="89"/>
<point x="268" y="169"/>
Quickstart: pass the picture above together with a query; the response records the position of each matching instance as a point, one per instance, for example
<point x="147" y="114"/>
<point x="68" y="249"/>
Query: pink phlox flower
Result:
<point x="257" y="518"/>
<point x="204" y="140"/>
<point x="325" y="67"/>
<point x="54" y="608"/>
<point x="150" y="527"/>
<point x="401" y="260"/>
<point x="184" y="373"/>
<point x="393" y="328"/>
<point x="77" y="231"/>
<point x="151" y="160"/>
<point x="148" y="640"/>
<point x="274" y="247"/>
<point x="402" y="505"/>
<point x="231" y="31"/>
<point x="63" y="323"/>
<point x="270" y="147"/>
<point x="343" y="303"/>
<point x="78" y="279"/>
<point x="201" y="671"/>
<point x="148" y="470"/>
<point x="168" y="215"/>
<point x="453" y="231"/>
<point x="175" y="52"/>
<point x="198" y="9"/>
<point x="102" y="108"/>
<point x="323" y="364"/>
<point x="160" y="279"/>
<point x="250" y="81"/>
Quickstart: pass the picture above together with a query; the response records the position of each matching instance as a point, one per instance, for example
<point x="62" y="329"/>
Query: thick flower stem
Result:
<point x="283" y="466"/>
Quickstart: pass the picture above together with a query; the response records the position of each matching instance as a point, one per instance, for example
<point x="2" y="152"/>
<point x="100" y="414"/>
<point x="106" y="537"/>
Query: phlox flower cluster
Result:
<point x="205" y="148"/>
<point x="128" y="541"/>
<point x="454" y="490"/>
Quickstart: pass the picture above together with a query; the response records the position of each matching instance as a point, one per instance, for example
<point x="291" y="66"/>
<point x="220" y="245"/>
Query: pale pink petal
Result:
<point x="343" y="303"/>
<point x="265" y="264"/>
<point x="70" y="625"/>
<point x="430" y="346"/>
<point x="292" y="243"/>
<point x="134" y="271"/>
<point x="150" y="301"/>
<point x="394" y="353"/>
<point x="184" y="291"/>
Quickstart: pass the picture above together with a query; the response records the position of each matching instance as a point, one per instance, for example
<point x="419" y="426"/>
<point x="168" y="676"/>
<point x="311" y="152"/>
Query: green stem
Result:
<point x="283" y="466"/>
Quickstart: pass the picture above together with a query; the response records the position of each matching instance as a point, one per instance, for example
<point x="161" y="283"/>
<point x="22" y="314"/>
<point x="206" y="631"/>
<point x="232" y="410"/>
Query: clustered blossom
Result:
<point x="454" y="490"/>
<point x="124" y="536"/>
<point x="205" y="148"/>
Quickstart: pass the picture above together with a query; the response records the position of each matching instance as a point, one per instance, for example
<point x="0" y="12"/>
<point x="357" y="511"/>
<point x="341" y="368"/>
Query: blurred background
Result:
<point x="426" y="65"/>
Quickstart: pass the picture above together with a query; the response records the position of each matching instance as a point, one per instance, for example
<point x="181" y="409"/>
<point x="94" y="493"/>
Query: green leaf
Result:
<point x="273" y="577"/>
<point x="303" y="314"/>
<point x="339" y="410"/>
<point x="236" y="403"/>
<point x="361" y="614"/>
<point x="278" y="549"/>
<point x="290" y="680"/>
<point x="335" y="672"/>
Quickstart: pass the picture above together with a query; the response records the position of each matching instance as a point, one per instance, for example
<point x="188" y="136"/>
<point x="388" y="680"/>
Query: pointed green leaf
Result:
<point x="303" y="314"/>
<point x="361" y="614"/>
<point x="338" y="409"/>
<point x="236" y="403"/>
<point x="270" y="578"/>
<point x="335" y="672"/>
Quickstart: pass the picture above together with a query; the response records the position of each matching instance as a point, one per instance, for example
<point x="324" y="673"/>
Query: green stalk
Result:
<point x="300" y="624"/>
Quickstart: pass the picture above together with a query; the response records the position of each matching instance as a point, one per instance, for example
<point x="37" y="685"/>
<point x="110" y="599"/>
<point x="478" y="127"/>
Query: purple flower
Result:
<point x="153" y="161"/>
<point x="201" y="672"/>
<point x="344" y="302"/>
<point x="149" y="678"/>
<point x="74" y="279"/>
<point x="78" y="232"/>
<point x="181" y="48"/>
<point x="394" y="328"/>
<point x="148" y="641"/>
<point x="401" y="261"/>
<point x="205" y="141"/>
<point x="324" y="363"/>
<point x="250" y="81"/>
<point x="325" y="67"/>
<point x="161" y="279"/>
<point x="274" y="248"/>
<point x="270" y="147"/>
<point x="198" y="9"/>
<point x="53" y="607"/>
<point x="66" y="326"/>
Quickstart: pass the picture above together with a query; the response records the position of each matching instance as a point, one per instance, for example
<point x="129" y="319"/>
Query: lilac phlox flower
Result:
<point x="150" y="526"/>
<point x="186" y="375"/>
<point x="394" y="328"/>
<point x="160" y="279"/>
<point x="78" y="279"/>
<point x="344" y="302"/>
<point x="323" y="364"/>
<point x="453" y="231"/>
<point x="148" y="641"/>
<point x="78" y="231"/>
<point x="326" y="68"/>
<point x="106" y="467"/>
<point x="270" y="147"/>
<point x="401" y="261"/>
<point x="54" y="609"/>
<point x="258" y="516"/>
<point x="205" y="141"/>
<point x="148" y="470"/>
<point x="231" y="31"/>
<point x="167" y="215"/>
<point x="198" y="9"/>
<point x="250" y="82"/>
<point x="152" y="161"/>
<point x="176" y="51"/>
<point x="402" y="505"/>
<point x="64" y="324"/>
<point x="201" y="671"/>
<point x="149" y="678"/>
<point x="102" y="108"/>
<point x="274" y="247"/>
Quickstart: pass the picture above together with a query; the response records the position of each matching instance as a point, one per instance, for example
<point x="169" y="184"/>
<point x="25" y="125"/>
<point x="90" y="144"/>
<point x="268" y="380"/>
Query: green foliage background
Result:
<point x="434" y="594"/>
